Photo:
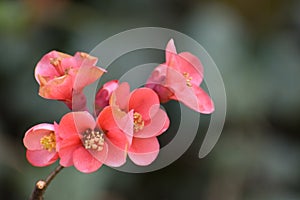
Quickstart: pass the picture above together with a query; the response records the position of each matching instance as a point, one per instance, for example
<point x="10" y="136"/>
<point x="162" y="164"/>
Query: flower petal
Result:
<point x="188" y="63"/>
<point x="75" y="123"/>
<point x="87" y="75"/>
<point x="205" y="103"/>
<point x="68" y="63"/>
<point x="117" y="148"/>
<point x="105" y="119"/>
<point x="59" y="88"/>
<point x="157" y="81"/>
<point x="84" y="59"/>
<point x="66" y="148"/>
<point x="84" y="161"/>
<point x="104" y="94"/>
<point x="120" y="97"/>
<point x="111" y="119"/>
<point x="87" y="71"/>
<point x="45" y="68"/>
<point x="158" y="124"/>
<point x="102" y="99"/>
<point x="181" y="91"/>
<point x="184" y="62"/>
<point x="163" y="92"/>
<point x="99" y="155"/>
<point x="142" y="100"/>
<point x="143" y="151"/>
<point x="170" y="50"/>
<point x="41" y="158"/>
<point x="77" y="102"/>
<point x="32" y="138"/>
<point x="158" y="75"/>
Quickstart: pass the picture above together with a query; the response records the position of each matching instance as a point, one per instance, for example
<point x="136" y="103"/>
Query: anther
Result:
<point x="55" y="61"/>
<point x="188" y="79"/>
<point x="48" y="142"/>
<point x="138" y="122"/>
<point x="93" y="140"/>
<point x="84" y="55"/>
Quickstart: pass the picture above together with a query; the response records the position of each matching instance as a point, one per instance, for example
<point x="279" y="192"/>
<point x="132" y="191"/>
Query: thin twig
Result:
<point x="41" y="185"/>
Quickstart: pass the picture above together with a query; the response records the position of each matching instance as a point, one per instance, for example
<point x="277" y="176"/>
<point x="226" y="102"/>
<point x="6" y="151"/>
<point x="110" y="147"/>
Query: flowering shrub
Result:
<point x="126" y="124"/>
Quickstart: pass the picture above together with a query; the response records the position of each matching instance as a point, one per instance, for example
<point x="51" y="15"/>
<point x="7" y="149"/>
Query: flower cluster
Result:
<point x="125" y="124"/>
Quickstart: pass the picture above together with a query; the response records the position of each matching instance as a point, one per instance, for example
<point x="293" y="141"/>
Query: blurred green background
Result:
<point x="255" y="44"/>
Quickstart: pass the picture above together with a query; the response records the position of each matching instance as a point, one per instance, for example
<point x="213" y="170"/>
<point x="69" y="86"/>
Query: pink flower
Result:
<point x="41" y="145"/>
<point x="63" y="77"/>
<point x="179" y="79"/>
<point x="80" y="142"/>
<point x="139" y="116"/>
<point x="104" y="94"/>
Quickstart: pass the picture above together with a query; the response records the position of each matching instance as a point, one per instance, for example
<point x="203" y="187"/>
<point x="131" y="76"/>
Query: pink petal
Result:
<point x="84" y="59"/>
<point x="105" y="119"/>
<point x="124" y="122"/>
<point x="158" y="75"/>
<point x="101" y="100"/>
<point x="45" y="68"/>
<point x="166" y="125"/>
<point x="78" y="101"/>
<point x="184" y="62"/>
<point x="67" y="64"/>
<point x="66" y="148"/>
<point x="142" y="100"/>
<point x="59" y="88"/>
<point x="158" y="124"/>
<point x="84" y="161"/>
<point x="32" y="138"/>
<point x="175" y="81"/>
<point x="172" y="56"/>
<point x="111" y="119"/>
<point x="75" y="123"/>
<point x="104" y="94"/>
<point x="170" y="50"/>
<point x="144" y="151"/>
<point x="87" y="75"/>
<point x="205" y="103"/>
<point x="117" y="138"/>
<point x="183" y="93"/>
<point x="120" y="96"/>
<point x="99" y="155"/>
<point x="157" y="82"/>
<point x="117" y="148"/>
<point x="188" y="63"/>
<point x="196" y="99"/>
<point x="41" y="158"/>
<point x="163" y="92"/>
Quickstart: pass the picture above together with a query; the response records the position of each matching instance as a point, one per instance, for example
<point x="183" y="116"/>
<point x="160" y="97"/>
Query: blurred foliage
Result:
<point x="256" y="46"/>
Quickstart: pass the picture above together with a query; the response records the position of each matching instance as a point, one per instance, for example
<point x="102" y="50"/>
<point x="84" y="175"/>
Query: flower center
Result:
<point x="138" y="122"/>
<point x="93" y="140"/>
<point x="48" y="142"/>
<point x="56" y="62"/>
<point x="188" y="79"/>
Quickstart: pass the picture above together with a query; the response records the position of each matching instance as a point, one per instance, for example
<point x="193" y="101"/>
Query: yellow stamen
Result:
<point x="48" y="142"/>
<point x="84" y="55"/>
<point x="138" y="122"/>
<point x="93" y="140"/>
<point x="188" y="79"/>
<point x="55" y="61"/>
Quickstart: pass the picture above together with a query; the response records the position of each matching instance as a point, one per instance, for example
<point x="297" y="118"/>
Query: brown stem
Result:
<point x="41" y="185"/>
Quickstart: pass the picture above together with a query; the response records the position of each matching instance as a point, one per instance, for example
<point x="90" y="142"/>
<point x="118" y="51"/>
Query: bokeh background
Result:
<point x="256" y="46"/>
